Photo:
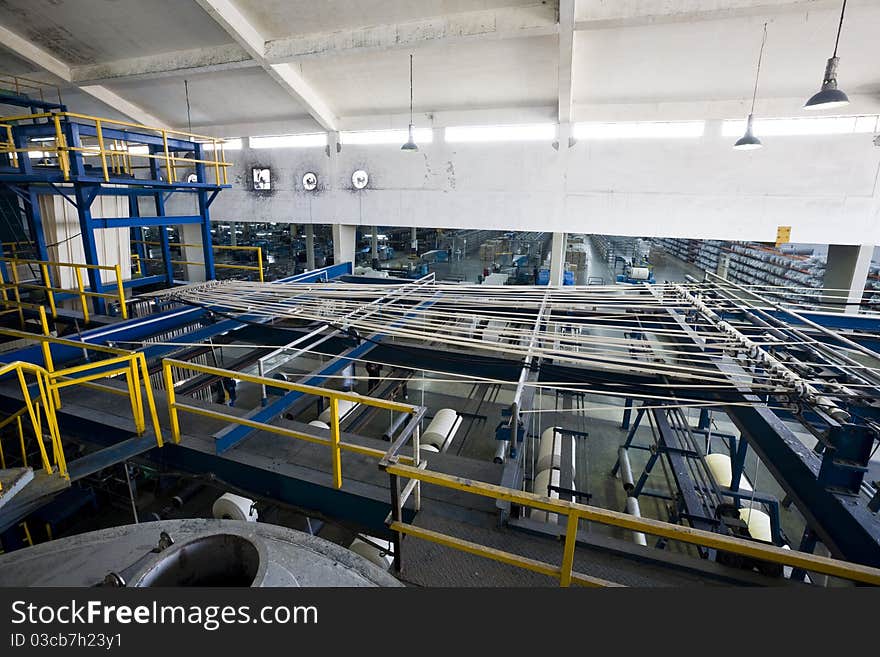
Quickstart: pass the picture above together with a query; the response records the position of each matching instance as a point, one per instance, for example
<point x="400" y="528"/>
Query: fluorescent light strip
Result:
<point x="498" y="133"/>
<point x="290" y="141"/>
<point x="639" y="130"/>
<point x="376" y="137"/>
<point x="813" y="125"/>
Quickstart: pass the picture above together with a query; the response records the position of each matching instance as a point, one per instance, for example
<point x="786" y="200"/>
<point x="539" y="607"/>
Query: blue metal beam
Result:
<point x="136" y="222"/>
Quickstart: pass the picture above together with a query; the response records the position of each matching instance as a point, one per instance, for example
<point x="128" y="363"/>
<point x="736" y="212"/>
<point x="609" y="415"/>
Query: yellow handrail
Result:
<point x="81" y="292"/>
<point x="575" y="512"/>
<point x="132" y="366"/>
<point x="167" y="155"/>
<point x="335" y="443"/>
<point x="258" y="250"/>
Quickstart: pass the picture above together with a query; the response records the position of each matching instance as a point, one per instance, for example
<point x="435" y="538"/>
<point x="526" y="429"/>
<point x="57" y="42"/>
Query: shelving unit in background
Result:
<point x="752" y="263"/>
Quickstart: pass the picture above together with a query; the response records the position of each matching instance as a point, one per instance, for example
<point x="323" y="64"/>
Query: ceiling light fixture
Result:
<point x="410" y="144"/>
<point x="748" y="142"/>
<point x="830" y="96"/>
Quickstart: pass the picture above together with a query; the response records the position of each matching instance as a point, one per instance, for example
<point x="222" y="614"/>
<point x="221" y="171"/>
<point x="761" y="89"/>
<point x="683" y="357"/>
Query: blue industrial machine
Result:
<point x="82" y="158"/>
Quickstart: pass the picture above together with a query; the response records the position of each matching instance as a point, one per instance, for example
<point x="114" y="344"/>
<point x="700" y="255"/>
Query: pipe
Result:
<point x="626" y="474"/>
<point x="632" y="508"/>
<point x="501" y="451"/>
<point x="395" y="425"/>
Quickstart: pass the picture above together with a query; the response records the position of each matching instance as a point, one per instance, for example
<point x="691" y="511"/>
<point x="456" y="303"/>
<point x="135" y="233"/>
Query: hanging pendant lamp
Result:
<point x="748" y="142"/>
<point x="410" y="144"/>
<point x="830" y="96"/>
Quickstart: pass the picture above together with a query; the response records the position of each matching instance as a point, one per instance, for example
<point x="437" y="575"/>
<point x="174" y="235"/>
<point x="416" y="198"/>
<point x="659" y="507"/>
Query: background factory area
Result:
<point x="440" y="294"/>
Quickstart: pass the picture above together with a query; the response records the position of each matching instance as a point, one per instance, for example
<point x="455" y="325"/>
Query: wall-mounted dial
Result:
<point x="360" y="179"/>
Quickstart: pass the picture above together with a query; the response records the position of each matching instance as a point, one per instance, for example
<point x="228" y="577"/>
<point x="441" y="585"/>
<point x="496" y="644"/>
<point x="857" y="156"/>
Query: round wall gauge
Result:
<point x="310" y="181"/>
<point x="359" y="179"/>
<point x="192" y="178"/>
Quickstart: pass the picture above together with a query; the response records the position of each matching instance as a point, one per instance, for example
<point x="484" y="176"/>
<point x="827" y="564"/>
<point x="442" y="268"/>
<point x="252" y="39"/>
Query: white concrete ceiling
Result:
<point x="252" y="61"/>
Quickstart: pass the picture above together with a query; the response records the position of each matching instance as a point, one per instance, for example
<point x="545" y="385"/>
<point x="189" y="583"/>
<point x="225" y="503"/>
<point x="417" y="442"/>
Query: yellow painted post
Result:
<point x="216" y="162"/>
<point x="47" y="352"/>
<point x="83" y="299"/>
<point x="49" y="531"/>
<point x="17" y="292"/>
<point x="151" y="403"/>
<point x="571" y="528"/>
<point x="260" y="261"/>
<point x="2" y="457"/>
<point x="172" y="408"/>
<point x="21" y="440"/>
<point x="32" y="413"/>
<point x="47" y="391"/>
<point x="60" y="145"/>
<point x="169" y="171"/>
<point x="223" y="155"/>
<point x="27" y="533"/>
<point x="50" y="294"/>
<point x="134" y="393"/>
<point x="120" y="289"/>
<point x="334" y="442"/>
<point x="100" y="134"/>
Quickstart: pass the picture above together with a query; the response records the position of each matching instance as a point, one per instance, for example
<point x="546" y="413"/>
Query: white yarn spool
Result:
<point x="234" y="507"/>
<point x="758" y="523"/>
<point x="539" y="487"/>
<point x="373" y="554"/>
<point x="549" y="450"/>
<point x="318" y="423"/>
<point x="442" y="426"/>
<point x="429" y="448"/>
<point x="345" y="407"/>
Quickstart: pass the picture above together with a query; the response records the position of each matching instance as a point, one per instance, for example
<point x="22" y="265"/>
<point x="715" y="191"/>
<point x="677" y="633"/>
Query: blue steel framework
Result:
<point x="84" y="184"/>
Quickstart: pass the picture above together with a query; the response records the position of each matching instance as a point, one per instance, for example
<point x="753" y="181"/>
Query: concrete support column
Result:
<point x="344" y="242"/>
<point x="557" y="259"/>
<point x="192" y="234"/>
<point x="310" y="246"/>
<point x="846" y="273"/>
<point x="414" y="240"/>
<point x="233" y="236"/>
<point x="374" y="243"/>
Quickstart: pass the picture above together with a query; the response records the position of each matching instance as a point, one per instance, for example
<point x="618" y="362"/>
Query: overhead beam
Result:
<point x="169" y="64"/>
<point x="503" y="23"/>
<point x="57" y="69"/>
<point x="226" y="14"/>
<point x="566" y="58"/>
<point x="600" y="14"/>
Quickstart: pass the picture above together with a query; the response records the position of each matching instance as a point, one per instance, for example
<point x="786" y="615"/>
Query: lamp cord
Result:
<point x="758" y="73"/>
<point x="839" y="27"/>
<point x="188" y="117"/>
<point x="410" y="89"/>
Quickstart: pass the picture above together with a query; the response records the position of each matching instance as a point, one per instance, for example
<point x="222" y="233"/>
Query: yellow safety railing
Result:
<point x="16" y="248"/>
<point x="334" y="442"/>
<point x="576" y="512"/>
<point x="25" y="86"/>
<point x="16" y="285"/>
<point x="130" y="366"/>
<point x="117" y="155"/>
<point x="258" y="251"/>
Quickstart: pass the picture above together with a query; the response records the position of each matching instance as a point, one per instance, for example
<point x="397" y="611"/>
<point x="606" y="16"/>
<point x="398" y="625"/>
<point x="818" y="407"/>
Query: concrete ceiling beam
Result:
<point x="226" y="14"/>
<point x="62" y="76"/>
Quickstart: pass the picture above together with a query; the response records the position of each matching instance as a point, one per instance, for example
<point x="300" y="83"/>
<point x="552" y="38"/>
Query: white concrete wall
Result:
<point x="823" y="186"/>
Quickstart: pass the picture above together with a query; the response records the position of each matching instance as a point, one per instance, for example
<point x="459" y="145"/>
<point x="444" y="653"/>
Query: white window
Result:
<point x="396" y="137"/>
<point x="309" y="140"/>
<point x="810" y="125"/>
<point x="639" y="130"/>
<point x="498" y="133"/>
